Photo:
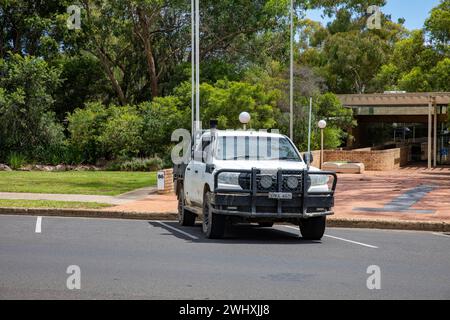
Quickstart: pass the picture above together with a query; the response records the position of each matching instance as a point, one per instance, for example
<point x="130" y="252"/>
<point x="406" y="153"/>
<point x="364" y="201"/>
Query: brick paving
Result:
<point x="376" y="189"/>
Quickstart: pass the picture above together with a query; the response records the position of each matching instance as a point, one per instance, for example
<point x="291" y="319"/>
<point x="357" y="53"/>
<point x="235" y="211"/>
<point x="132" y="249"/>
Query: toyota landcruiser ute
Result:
<point x="252" y="177"/>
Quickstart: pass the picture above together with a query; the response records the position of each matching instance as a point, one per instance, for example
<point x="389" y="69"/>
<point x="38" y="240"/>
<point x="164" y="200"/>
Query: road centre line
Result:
<point x="342" y="239"/>
<point x="178" y="230"/>
<point x="441" y="235"/>
<point x="38" y="225"/>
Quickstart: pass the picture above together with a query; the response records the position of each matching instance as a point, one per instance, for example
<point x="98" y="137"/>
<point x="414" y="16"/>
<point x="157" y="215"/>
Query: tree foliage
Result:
<point x="26" y="119"/>
<point x="121" y="84"/>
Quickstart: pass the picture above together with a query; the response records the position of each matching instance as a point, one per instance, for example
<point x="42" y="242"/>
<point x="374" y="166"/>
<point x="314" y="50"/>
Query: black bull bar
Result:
<point x="252" y="202"/>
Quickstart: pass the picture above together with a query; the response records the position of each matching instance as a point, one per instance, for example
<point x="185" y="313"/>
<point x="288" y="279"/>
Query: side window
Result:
<point x="205" y="143"/>
<point x="206" y="148"/>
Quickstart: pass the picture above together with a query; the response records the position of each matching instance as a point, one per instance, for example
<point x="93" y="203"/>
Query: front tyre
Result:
<point x="265" y="224"/>
<point x="313" y="228"/>
<point x="185" y="218"/>
<point x="213" y="224"/>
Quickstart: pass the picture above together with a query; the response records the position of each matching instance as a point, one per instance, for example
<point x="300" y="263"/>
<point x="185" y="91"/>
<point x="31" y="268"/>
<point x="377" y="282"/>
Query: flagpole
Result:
<point x="291" y="93"/>
<point x="193" y="68"/>
<point x="197" y="62"/>
<point x="309" y="131"/>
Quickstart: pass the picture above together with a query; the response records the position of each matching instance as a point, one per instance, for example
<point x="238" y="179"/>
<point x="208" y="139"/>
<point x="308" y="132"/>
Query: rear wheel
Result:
<point x="213" y="224"/>
<point x="313" y="228"/>
<point x="185" y="218"/>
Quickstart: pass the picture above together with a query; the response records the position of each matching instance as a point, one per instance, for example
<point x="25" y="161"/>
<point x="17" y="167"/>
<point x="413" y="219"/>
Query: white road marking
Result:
<point x="342" y="239"/>
<point x="177" y="230"/>
<point x="38" y="225"/>
<point x="351" y="241"/>
<point x="441" y="235"/>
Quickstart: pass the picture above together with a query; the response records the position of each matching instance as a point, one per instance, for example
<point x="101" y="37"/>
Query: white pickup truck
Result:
<point x="255" y="177"/>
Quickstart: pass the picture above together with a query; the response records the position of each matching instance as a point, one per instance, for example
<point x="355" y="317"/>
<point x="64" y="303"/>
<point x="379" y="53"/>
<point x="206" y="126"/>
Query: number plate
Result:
<point x="280" y="195"/>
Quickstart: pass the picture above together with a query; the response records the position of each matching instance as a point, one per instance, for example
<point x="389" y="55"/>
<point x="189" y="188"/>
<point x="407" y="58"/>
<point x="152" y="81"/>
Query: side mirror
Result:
<point x="308" y="157"/>
<point x="210" y="168"/>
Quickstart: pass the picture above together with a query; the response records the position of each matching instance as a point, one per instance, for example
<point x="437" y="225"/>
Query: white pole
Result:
<point x="321" y="148"/>
<point x="435" y="152"/>
<point x="193" y="68"/>
<point x="430" y="124"/>
<point x="197" y="62"/>
<point x="291" y="93"/>
<point x="309" y="128"/>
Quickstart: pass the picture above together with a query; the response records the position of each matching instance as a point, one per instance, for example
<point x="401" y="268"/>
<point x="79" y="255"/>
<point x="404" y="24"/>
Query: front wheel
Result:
<point x="213" y="224"/>
<point x="265" y="224"/>
<point x="185" y="218"/>
<point x="313" y="228"/>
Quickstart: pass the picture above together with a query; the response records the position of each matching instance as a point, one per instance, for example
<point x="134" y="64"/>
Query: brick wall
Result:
<point x="405" y="155"/>
<point x="316" y="158"/>
<point x="168" y="182"/>
<point x="374" y="160"/>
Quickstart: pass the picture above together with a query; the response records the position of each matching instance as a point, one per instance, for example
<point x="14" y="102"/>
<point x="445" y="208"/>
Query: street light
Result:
<point x="244" y="118"/>
<point x="322" y="125"/>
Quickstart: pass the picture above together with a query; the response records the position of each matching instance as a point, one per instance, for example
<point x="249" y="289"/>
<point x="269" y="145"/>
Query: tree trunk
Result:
<point x="144" y="35"/>
<point x="151" y="68"/>
<point x="116" y="86"/>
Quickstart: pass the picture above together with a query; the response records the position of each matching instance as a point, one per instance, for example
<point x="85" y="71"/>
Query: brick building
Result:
<point x="407" y="126"/>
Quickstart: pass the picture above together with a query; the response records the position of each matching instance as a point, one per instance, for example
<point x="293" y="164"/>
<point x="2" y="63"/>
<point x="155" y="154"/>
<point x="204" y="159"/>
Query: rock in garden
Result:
<point x="4" y="167"/>
<point x="61" y="167"/>
<point x="25" y="168"/>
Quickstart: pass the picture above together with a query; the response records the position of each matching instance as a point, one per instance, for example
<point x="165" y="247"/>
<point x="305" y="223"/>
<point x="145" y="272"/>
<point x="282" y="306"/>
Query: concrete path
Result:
<point x="113" y="200"/>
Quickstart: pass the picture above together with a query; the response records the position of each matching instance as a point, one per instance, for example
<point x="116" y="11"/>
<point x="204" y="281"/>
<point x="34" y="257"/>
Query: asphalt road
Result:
<point x="123" y="259"/>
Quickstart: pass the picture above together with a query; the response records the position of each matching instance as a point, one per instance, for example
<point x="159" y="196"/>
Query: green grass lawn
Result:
<point x="51" y="204"/>
<point x="75" y="182"/>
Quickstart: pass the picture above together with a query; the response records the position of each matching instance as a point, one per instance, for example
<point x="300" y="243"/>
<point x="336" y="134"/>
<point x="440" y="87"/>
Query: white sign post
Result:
<point x="161" y="178"/>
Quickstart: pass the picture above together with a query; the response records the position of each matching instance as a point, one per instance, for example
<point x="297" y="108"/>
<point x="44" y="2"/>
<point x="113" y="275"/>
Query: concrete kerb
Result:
<point x="331" y="222"/>
<point x="389" y="224"/>
<point x="84" y="213"/>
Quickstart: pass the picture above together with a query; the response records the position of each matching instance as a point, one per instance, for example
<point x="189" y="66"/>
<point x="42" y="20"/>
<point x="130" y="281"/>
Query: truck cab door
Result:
<point x="200" y="174"/>
<point x="189" y="191"/>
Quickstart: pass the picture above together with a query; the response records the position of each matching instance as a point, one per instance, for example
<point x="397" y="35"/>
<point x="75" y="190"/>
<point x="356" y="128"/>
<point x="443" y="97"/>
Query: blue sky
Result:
<point x="414" y="11"/>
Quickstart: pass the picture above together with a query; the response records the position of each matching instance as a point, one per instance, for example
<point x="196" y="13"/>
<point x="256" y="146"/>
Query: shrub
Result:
<point x="136" y="164"/>
<point x="160" y="118"/>
<point x="16" y="160"/>
<point x="54" y="148"/>
<point x="121" y="136"/>
<point x="99" y="132"/>
<point x="26" y="88"/>
<point x="85" y="127"/>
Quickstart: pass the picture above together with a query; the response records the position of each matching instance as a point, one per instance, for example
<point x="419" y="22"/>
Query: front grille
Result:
<point x="291" y="181"/>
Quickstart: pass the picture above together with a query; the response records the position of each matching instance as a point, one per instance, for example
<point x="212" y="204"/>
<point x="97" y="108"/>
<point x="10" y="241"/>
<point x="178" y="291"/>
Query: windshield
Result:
<point x="255" y="148"/>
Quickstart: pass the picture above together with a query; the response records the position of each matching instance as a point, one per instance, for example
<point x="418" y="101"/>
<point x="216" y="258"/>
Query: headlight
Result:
<point x="229" y="178"/>
<point x="292" y="182"/>
<point x="318" y="180"/>
<point x="266" y="181"/>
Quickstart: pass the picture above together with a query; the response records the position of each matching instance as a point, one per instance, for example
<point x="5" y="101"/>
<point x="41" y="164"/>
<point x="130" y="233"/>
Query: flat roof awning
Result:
<point x="425" y="107"/>
<point x="418" y="99"/>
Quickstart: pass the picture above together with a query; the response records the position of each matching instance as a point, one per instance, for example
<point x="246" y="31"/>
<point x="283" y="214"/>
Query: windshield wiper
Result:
<point x="235" y="158"/>
<point x="286" y="158"/>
